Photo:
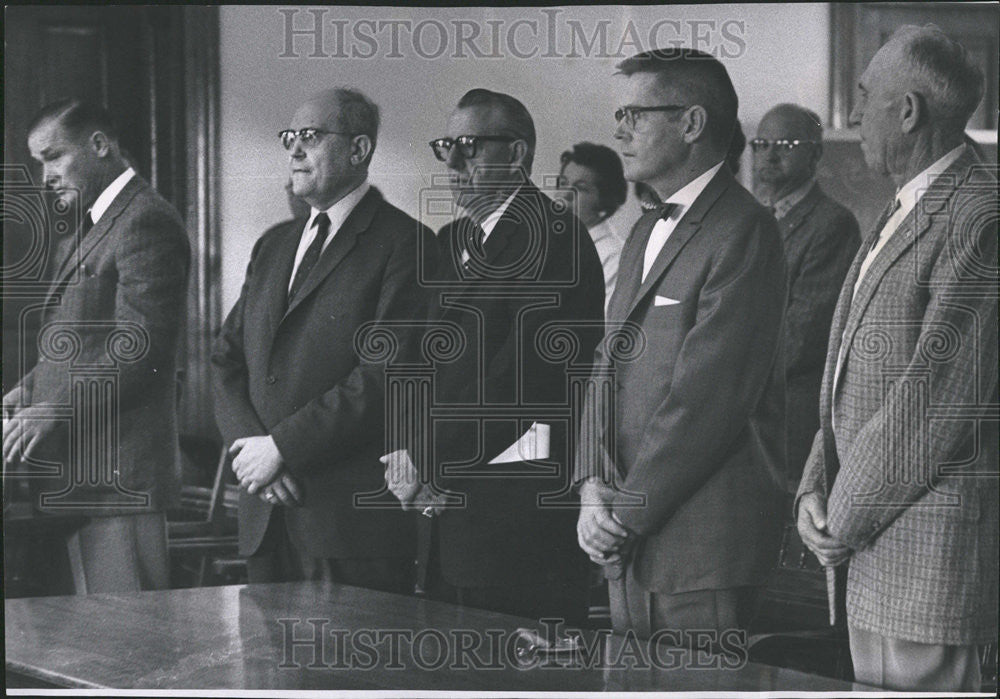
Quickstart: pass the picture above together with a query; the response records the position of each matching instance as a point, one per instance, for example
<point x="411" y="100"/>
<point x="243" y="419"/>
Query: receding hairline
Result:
<point x="798" y="118"/>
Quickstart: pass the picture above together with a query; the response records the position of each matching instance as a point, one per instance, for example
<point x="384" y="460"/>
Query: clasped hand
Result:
<point x="599" y="532"/>
<point x="812" y="528"/>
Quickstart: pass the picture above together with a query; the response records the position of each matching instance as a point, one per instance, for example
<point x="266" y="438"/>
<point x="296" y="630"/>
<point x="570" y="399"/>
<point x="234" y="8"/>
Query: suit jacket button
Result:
<point x="271" y="379"/>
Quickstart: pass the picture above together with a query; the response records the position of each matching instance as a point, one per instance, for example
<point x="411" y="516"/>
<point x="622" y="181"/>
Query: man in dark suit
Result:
<point x="107" y="350"/>
<point x="513" y="268"/>
<point x="820" y="238"/>
<point x="302" y="411"/>
<point x="901" y="483"/>
<point x="680" y="497"/>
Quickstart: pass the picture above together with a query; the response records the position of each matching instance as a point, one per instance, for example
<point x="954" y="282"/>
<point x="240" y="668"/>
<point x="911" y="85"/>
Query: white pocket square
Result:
<point x="664" y="301"/>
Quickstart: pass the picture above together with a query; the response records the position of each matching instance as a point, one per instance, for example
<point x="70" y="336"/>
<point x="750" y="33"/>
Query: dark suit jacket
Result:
<point x="293" y="372"/>
<point x="821" y="238"/>
<point x="540" y="251"/>
<point x="699" y="430"/>
<point x="122" y="295"/>
<point x="907" y="451"/>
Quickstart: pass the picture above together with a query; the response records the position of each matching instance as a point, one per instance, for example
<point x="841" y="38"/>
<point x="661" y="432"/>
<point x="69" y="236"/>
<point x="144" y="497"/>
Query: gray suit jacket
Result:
<point x="699" y="431"/>
<point x="116" y="307"/>
<point x="906" y="454"/>
<point x="821" y="238"/>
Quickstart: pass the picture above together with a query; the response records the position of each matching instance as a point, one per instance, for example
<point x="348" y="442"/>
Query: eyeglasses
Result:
<point x="307" y="137"/>
<point x="630" y="114"/>
<point x="783" y="145"/>
<point x="467" y="145"/>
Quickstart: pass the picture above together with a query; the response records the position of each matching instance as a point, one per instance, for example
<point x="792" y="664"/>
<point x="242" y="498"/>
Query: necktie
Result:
<point x="472" y="236"/>
<point x="309" y="260"/>
<point x="86" y="224"/>
<point x="881" y="234"/>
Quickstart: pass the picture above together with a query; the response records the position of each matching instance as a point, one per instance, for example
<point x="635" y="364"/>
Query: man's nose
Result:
<point x="854" y="118"/>
<point x="620" y="131"/>
<point x="455" y="161"/>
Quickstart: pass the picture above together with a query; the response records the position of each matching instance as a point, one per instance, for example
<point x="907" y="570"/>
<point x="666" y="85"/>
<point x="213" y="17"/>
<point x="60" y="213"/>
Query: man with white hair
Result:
<point x="901" y="482"/>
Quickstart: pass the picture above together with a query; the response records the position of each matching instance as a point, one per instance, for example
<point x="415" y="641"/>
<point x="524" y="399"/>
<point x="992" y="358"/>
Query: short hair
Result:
<point x="76" y="116"/>
<point x="736" y="146"/>
<point x="516" y="116"/>
<point x="700" y="78"/>
<point x="357" y="114"/>
<point x="605" y="163"/>
<point x="944" y="74"/>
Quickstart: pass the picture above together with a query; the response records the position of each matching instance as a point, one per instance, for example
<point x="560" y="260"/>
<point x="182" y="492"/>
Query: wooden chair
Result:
<point x="212" y="533"/>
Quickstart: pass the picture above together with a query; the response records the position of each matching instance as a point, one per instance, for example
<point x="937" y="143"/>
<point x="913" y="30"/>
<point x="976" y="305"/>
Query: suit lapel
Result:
<point x="344" y="239"/>
<point x="280" y="274"/>
<point x="686" y="228"/>
<point x="916" y="223"/>
<point x="630" y="267"/>
<point x="78" y="253"/>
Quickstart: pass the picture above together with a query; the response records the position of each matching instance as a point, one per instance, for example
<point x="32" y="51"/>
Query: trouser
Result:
<point x="278" y="560"/>
<point x="892" y="663"/>
<point x="120" y="553"/>
<point x="701" y="616"/>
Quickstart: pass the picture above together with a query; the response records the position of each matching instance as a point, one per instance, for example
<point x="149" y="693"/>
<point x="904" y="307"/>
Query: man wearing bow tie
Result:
<point x="901" y="484"/>
<point x="303" y="413"/>
<point x="680" y="490"/>
<point x="117" y="302"/>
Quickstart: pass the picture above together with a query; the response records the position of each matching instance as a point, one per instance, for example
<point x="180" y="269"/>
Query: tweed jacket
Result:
<point x="820" y="238"/>
<point x="906" y="454"/>
<point x="117" y="304"/>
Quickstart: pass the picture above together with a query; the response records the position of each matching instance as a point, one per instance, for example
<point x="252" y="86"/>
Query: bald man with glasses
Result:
<point x="301" y="412"/>
<point x="820" y="239"/>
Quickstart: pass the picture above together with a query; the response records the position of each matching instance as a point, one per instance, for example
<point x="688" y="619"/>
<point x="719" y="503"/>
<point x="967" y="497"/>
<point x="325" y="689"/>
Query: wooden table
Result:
<point x="239" y="637"/>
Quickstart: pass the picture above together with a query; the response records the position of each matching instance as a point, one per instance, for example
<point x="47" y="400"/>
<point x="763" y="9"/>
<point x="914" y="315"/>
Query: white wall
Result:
<point x="775" y="53"/>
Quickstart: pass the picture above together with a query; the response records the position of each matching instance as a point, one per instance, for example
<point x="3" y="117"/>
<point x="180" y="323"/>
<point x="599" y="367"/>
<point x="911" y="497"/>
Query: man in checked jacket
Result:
<point x="900" y="487"/>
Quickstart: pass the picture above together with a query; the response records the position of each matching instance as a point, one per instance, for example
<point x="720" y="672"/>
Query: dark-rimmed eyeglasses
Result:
<point x="468" y="146"/>
<point x="307" y="137"/>
<point x="783" y="145"/>
<point x="630" y="114"/>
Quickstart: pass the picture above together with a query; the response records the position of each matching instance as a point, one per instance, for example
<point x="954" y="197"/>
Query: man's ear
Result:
<point x="912" y="111"/>
<point x="695" y="119"/>
<point x="361" y="148"/>
<point x="101" y="144"/>
<point x="518" y="152"/>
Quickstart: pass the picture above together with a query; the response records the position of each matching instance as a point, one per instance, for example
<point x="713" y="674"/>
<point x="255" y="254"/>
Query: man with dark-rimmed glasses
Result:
<point x="678" y="493"/>
<point x="303" y="415"/>
<point x="514" y="266"/>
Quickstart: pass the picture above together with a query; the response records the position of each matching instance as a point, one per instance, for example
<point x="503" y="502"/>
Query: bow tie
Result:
<point x="665" y="209"/>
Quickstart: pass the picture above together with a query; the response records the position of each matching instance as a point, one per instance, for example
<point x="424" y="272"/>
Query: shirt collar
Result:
<point x="490" y="222"/>
<point x="105" y="198"/>
<point x="339" y="212"/>
<point x="686" y="195"/>
<point x="909" y="194"/>
<point x="788" y="202"/>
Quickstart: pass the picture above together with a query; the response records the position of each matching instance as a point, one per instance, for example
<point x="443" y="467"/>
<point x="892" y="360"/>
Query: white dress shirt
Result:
<point x="337" y="213"/>
<point x="609" y="244"/>
<point x="683" y="198"/>
<point x="105" y="198"/>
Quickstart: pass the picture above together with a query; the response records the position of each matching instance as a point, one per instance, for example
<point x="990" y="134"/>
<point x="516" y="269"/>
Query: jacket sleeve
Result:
<point x="234" y="413"/>
<point x="734" y="343"/>
<point x="812" y="295"/>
